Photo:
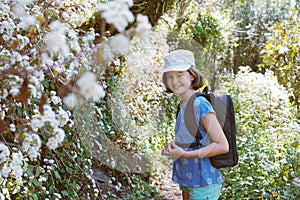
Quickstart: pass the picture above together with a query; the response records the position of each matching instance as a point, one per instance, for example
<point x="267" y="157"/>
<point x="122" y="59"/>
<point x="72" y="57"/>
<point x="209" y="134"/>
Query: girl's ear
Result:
<point x="192" y="77"/>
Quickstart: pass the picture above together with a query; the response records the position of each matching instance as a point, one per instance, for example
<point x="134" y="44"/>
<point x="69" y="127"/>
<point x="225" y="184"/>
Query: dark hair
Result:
<point x="197" y="83"/>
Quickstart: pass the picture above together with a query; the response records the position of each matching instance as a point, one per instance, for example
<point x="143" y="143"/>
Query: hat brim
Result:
<point x="176" y="68"/>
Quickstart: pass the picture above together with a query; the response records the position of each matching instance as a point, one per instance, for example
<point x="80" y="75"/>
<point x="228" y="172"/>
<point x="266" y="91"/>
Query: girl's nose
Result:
<point x="175" y="80"/>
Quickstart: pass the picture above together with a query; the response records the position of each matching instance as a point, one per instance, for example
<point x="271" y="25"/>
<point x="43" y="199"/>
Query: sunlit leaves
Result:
<point x="268" y="135"/>
<point x="281" y="54"/>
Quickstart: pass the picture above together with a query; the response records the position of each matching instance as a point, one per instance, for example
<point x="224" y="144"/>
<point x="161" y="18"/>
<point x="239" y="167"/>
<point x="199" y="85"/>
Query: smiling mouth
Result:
<point x="177" y="86"/>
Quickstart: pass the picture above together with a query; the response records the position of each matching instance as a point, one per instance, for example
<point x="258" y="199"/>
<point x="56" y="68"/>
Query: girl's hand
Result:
<point x="164" y="151"/>
<point x="174" y="151"/>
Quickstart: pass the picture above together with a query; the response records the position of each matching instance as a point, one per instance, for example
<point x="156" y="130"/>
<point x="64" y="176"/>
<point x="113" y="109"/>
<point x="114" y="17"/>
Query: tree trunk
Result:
<point x="154" y="9"/>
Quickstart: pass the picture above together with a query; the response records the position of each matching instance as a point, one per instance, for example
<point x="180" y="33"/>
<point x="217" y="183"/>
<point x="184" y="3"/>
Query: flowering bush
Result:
<point x="267" y="139"/>
<point x="281" y="55"/>
<point x="48" y="72"/>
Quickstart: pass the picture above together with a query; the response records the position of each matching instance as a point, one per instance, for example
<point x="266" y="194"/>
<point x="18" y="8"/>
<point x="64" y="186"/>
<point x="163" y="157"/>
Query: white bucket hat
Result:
<point x="179" y="60"/>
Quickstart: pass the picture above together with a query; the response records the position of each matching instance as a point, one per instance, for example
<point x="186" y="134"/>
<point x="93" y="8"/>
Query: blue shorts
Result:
<point x="211" y="192"/>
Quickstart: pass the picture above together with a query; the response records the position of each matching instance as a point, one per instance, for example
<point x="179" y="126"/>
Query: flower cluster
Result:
<point x="48" y="66"/>
<point x="51" y="121"/>
<point x="267" y="134"/>
<point x="32" y="143"/>
<point x="117" y="13"/>
<point x="55" y="40"/>
<point x="88" y="88"/>
<point x="4" y="152"/>
<point x="14" y="167"/>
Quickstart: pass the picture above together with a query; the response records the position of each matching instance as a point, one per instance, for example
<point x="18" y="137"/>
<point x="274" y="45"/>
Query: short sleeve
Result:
<point x="202" y="107"/>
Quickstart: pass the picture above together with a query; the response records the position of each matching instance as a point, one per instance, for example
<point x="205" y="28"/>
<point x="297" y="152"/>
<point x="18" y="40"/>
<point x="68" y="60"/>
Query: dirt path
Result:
<point x="168" y="189"/>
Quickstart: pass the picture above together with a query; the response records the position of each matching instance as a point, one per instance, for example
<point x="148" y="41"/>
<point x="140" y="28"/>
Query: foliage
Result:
<point x="135" y="116"/>
<point x="253" y="23"/>
<point x="36" y="73"/>
<point x="205" y="30"/>
<point x="268" y="139"/>
<point x="281" y="55"/>
<point x="195" y="29"/>
<point x="48" y="66"/>
<point x="142" y="190"/>
<point x="55" y="124"/>
<point x="64" y="173"/>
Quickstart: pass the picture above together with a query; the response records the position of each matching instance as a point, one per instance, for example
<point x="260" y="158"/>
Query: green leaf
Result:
<point x="37" y="183"/>
<point x="57" y="175"/>
<point x="35" y="197"/>
<point x="65" y="193"/>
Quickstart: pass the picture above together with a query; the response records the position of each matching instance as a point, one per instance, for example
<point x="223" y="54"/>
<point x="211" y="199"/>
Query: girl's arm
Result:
<point x="218" y="145"/>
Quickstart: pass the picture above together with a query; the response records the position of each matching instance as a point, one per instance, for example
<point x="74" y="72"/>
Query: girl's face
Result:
<point x="179" y="82"/>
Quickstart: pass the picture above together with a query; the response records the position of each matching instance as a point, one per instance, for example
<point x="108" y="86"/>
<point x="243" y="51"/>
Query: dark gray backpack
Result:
<point x="224" y="109"/>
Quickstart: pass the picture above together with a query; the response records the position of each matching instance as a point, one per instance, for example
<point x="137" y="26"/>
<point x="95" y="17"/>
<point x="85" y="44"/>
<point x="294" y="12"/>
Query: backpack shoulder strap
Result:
<point x="190" y="118"/>
<point x="219" y="103"/>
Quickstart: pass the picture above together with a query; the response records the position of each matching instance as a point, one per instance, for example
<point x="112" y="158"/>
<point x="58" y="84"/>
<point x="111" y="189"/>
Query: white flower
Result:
<point x="49" y="116"/>
<point x="17" y="159"/>
<point x="36" y="123"/>
<point x="28" y="20"/>
<point x="86" y="77"/>
<point x="56" y="39"/>
<point x="59" y="134"/>
<point x="46" y="59"/>
<point x="4" y="7"/>
<point x="89" y="87"/>
<point x="70" y="100"/>
<point x="283" y="50"/>
<point x="134" y="58"/>
<point x="33" y="153"/>
<point x="4" y="152"/>
<point x="56" y="42"/>
<point x="62" y="116"/>
<point x="2" y="196"/>
<point x="99" y="93"/>
<point x="33" y="143"/>
<point x="143" y="30"/>
<point x="14" y="166"/>
<point x="58" y="27"/>
<point x="18" y="170"/>
<point x="15" y="89"/>
<point x="107" y="54"/>
<point x="42" y="179"/>
<point x="119" y="44"/>
<point x="74" y="44"/>
<point x="117" y="13"/>
<point x="4" y="94"/>
<point x="58" y="2"/>
<point x="19" y="10"/>
<point x="52" y="143"/>
<point x="56" y="100"/>
<point x="5" y="171"/>
<point x="57" y="195"/>
<point x="12" y="127"/>
<point x="143" y="23"/>
<point x="24" y="2"/>
<point x="86" y="84"/>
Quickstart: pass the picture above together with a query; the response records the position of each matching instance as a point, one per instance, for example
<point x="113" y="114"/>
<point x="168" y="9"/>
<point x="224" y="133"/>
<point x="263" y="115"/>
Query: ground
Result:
<point x="168" y="190"/>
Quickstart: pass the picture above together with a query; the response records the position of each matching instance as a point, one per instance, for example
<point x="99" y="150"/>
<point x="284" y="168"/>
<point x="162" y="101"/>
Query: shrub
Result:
<point x="267" y="139"/>
<point x="49" y="70"/>
<point x="281" y="55"/>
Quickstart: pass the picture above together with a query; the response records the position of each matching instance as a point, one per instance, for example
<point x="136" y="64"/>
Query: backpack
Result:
<point x="224" y="109"/>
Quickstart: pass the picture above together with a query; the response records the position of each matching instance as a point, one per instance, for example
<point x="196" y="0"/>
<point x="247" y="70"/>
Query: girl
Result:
<point x="192" y="169"/>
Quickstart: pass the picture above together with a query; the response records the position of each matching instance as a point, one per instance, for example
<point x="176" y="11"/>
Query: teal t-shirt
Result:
<point x="194" y="172"/>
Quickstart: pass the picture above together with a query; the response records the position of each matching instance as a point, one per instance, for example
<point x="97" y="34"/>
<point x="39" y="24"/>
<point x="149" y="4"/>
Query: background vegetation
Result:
<point x="105" y="143"/>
